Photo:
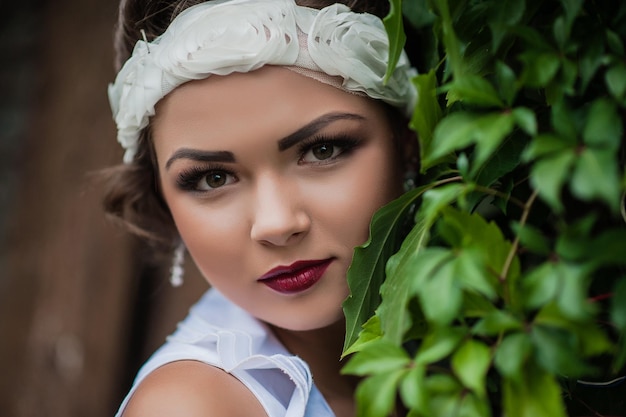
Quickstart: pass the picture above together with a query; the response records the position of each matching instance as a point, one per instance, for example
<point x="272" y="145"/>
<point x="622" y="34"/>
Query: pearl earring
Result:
<point x="177" y="271"/>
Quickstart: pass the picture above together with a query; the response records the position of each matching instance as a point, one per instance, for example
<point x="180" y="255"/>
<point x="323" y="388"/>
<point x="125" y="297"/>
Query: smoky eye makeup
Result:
<point x="323" y="149"/>
<point x="204" y="178"/>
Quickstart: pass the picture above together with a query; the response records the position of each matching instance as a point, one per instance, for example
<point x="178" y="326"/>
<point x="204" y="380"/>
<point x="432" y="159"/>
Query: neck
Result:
<point x="321" y="350"/>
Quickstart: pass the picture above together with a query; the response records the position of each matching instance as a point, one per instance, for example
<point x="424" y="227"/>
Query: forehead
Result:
<point x="270" y="101"/>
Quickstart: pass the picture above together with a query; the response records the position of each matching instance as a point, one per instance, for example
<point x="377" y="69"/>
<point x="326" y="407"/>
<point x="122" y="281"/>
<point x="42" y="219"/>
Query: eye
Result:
<point x="324" y="150"/>
<point x="203" y="179"/>
<point x="214" y="179"/>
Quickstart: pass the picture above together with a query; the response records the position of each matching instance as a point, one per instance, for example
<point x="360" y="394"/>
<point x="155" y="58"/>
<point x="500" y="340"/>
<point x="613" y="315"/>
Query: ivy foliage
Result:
<point x="506" y="293"/>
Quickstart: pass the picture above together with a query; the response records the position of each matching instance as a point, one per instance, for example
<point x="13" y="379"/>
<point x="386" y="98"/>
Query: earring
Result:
<point x="177" y="271"/>
<point x="410" y="175"/>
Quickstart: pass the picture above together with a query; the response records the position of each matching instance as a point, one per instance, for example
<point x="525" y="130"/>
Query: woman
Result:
<point x="260" y="136"/>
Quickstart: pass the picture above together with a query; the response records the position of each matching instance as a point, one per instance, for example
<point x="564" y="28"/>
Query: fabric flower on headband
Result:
<point x="225" y="36"/>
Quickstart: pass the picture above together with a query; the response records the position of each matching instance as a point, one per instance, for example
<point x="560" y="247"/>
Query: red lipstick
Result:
<point x="296" y="277"/>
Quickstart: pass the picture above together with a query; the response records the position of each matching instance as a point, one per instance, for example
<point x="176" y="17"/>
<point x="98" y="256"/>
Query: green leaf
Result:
<point x="540" y="285"/>
<point x="531" y="238"/>
<point x="495" y="323"/>
<point x="380" y="356"/>
<point x="367" y="270"/>
<point x="397" y="38"/>
<point x="404" y="269"/>
<point x="371" y="332"/>
<point x="539" y="67"/>
<point x="376" y="395"/>
<point x="491" y="130"/>
<point x="614" y="42"/>
<point x="427" y="111"/>
<point x="566" y="122"/>
<point x="503" y="13"/>
<point x="437" y="199"/>
<point x="604" y="125"/>
<point x="507" y="82"/>
<point x="526" y="120"/>
<point x="440" y="296"/>
<point x="438" y="344"/>
<point x="534" y="394"/>
<point x="572" y="8"/>
<point x="618" y="305"/>
<point x="473" y="89"/>
<point x="615" y="79"/>
<point x="483" y="239"/>
<point x="548" y="175"/>
<point x="455" y="131"/>
<point x="461" y="129"/>
<point x="596" y="176"/>
<point x="512" y="354"/>
<point x="413" y="390"/>
<point x="556" y="351"/>
<point x="470" y="363"/>
<point x="543" y="145"/>
<point x="591" y="60"/>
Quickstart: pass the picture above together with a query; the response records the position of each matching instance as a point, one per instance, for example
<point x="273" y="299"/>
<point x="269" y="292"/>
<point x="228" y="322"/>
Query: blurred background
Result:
<point x="81" y="303"/>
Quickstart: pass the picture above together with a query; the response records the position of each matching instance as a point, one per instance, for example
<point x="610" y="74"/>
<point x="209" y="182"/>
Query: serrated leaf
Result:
<point x="614" y="42"/>
<point x="376" y="395"/>
<point x="470" y="364"/>
<point x="543" y="145"/>
<point x="495" y="323"/>
<point x="491" y="130"/>
<point x="473" y="89"/>
<point x="526" y="120"/>
<point x="565" y="122"/>
<point x="397" y="38"/>
<point x="618" y="305"/>
<point x="604" y="125"/>
<point x="371" y="331"/>
<point x="453" y="132"/>
<point x="427" y="111"/>
<point x="504" y="14"/>
<point x="615" y="79"/>
<point x="367" y="271"/>
<point x="548" y="175"/>
<point x="440" y="296"/>
<point x="556" y="351"/>
<point x="484" y="239"/>
<point x="438" y="344"/>
<point x="531" y="238"/>
<point x="507" y="82"/>
<point x="412" y="389"/>
<point x="536" y="393"/>
<point x="404" y="270"/>
<point x="540" y="285"/>
<point x="596" y="176"/>
<point x="379" y="356"/>
<point x="512" y="354"/>
<point x="539" y="68"/>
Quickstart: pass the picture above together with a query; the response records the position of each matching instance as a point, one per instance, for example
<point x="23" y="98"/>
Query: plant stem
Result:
<point x="514" y="246"/>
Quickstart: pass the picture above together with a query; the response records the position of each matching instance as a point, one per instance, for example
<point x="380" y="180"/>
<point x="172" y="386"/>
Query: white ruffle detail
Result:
<point x="225" y="36"/>
<point x="221" y="334"/>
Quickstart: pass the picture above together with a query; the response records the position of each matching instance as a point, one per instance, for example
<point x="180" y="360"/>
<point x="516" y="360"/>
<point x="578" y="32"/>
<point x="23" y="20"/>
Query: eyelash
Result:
<point x="189" y="179"/>
<point x="347" y="145"/>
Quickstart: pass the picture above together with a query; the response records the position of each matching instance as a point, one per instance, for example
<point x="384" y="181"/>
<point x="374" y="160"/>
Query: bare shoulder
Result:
<point x="192" y="389"/>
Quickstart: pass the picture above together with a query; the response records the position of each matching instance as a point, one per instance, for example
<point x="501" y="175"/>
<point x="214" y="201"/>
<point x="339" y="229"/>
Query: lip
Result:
<point x="296" y="277"/>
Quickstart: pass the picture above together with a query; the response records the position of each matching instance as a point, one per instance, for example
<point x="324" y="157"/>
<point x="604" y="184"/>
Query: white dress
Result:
<point x="221" y="334"/>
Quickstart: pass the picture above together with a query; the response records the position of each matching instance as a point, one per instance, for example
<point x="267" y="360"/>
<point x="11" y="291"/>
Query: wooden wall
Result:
<point x="80" y="307"/>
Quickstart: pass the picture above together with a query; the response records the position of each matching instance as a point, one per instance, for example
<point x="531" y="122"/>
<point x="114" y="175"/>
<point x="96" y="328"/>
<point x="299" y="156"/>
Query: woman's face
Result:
<point x="272" y="179"/>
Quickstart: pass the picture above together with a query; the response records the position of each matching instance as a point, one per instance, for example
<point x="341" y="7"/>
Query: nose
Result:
<point x="279" y="214"/>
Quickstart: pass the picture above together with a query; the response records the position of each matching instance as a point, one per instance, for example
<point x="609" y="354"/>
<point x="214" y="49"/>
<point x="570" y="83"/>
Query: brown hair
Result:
<point x="132" y="196"/>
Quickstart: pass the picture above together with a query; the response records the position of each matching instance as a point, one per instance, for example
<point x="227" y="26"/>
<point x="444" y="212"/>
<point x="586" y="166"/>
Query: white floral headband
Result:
<point x="225" y="36"/>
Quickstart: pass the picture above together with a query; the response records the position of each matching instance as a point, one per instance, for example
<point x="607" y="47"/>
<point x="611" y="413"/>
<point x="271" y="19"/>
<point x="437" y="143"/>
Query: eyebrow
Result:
<point x="313" y="127"/>
<point x="285" y="143"/>
<point x="201" y="156"/>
